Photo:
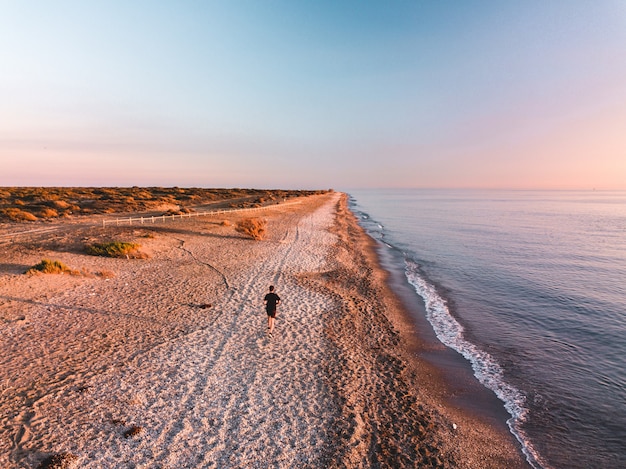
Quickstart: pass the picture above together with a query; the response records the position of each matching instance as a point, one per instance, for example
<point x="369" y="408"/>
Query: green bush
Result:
<point x="114" y="249"/>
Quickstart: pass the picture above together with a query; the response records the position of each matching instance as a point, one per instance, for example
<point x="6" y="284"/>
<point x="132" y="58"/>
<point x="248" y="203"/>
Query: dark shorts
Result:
<point x="271" y="314"/>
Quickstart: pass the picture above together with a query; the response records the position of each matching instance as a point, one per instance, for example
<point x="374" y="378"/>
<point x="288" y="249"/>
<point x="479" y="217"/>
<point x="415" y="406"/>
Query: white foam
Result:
<point x="486" y="369"/>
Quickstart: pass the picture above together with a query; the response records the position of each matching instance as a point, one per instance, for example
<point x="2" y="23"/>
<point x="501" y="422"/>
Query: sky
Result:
<point x="314" y="94"/>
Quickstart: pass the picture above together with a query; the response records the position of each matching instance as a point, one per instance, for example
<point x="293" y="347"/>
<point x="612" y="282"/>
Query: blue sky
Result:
<point x="313" y="94"/>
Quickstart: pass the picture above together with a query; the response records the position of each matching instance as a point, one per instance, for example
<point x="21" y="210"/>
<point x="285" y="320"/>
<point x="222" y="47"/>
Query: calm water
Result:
<point x="531" y="288"/>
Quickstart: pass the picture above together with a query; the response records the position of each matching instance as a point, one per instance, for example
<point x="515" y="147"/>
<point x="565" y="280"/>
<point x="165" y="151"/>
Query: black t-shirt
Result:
<point x="272" y="300"/>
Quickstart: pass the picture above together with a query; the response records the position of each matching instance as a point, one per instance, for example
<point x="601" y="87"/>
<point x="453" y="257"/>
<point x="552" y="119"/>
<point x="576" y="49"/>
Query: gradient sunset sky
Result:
<point x="313" y="94"/>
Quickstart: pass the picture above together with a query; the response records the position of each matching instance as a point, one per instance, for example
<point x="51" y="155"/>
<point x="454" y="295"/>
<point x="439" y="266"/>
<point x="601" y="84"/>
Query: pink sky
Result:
<point x="342" y="95"/>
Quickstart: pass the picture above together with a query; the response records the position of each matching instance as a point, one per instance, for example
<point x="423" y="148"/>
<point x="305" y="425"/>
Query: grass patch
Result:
<point x="47" y="266"/>
<point x="256" y="228"/>
<point x="115" y="249"/>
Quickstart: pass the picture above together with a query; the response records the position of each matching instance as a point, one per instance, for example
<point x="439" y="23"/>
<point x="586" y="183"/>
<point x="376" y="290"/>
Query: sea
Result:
<point x="529" y="287"/>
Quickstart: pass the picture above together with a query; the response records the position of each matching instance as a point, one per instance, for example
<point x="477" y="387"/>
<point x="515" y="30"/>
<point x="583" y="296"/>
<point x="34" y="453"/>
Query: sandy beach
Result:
<point x="165" y="362"/>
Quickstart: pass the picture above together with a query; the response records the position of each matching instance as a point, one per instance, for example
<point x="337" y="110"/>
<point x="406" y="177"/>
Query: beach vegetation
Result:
<point x="16" y="214"/>
<point x="47" y="266"/>
<point x="256" y="228"/>
<point x="179" y="211"/>
<point x="105" y="274"/>
<point x="115" y="249"/>
<point x="48" y="213"/>
<point x="60" y="204"/>
<point x="20" y="204"/>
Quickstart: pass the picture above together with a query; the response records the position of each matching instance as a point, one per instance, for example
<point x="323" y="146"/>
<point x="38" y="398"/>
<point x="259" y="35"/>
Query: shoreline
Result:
<point x="441" y="378"/>
<point x="344" y="383"/>
<point x="464" y="390"/>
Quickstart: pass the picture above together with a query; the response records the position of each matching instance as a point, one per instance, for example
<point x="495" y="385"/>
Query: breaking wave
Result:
<point x="486" y="369"/>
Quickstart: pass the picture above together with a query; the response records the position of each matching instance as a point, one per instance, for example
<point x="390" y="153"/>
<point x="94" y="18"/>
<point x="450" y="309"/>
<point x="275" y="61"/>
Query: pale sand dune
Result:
<point x="92" y="358"/>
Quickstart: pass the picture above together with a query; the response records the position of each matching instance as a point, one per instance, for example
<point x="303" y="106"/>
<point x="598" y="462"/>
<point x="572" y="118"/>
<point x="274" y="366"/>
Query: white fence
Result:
<point x="163" y="218"/>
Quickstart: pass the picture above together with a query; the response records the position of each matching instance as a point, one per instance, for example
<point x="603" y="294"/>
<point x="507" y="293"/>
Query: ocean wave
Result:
<point x="486" y="369"/>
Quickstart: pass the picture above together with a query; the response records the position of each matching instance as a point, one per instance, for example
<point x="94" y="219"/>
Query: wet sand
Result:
<point x="135" y="369"/>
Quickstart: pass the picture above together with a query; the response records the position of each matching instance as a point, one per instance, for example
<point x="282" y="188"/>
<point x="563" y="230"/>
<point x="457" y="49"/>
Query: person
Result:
<point x="271" y="300"/>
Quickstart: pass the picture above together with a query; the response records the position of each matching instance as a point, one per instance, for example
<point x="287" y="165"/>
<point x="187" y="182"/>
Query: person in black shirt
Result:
<point x="271" y="302"/>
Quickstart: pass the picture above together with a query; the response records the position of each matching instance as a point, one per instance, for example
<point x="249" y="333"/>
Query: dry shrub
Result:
<point x="46" y="266"/>
<point x="253" y="227"/>
<point x="16" y="214"/>
<point x="143" y="195"/>
<point x="84" y="272"/>
<point x="226" y="223"/>
<point x="59" y="461"/>
<point x="106" y="274"/>
<point x="48" y="213"/>
<point x="46" y="195"/>
<point x="60" y="204"/>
